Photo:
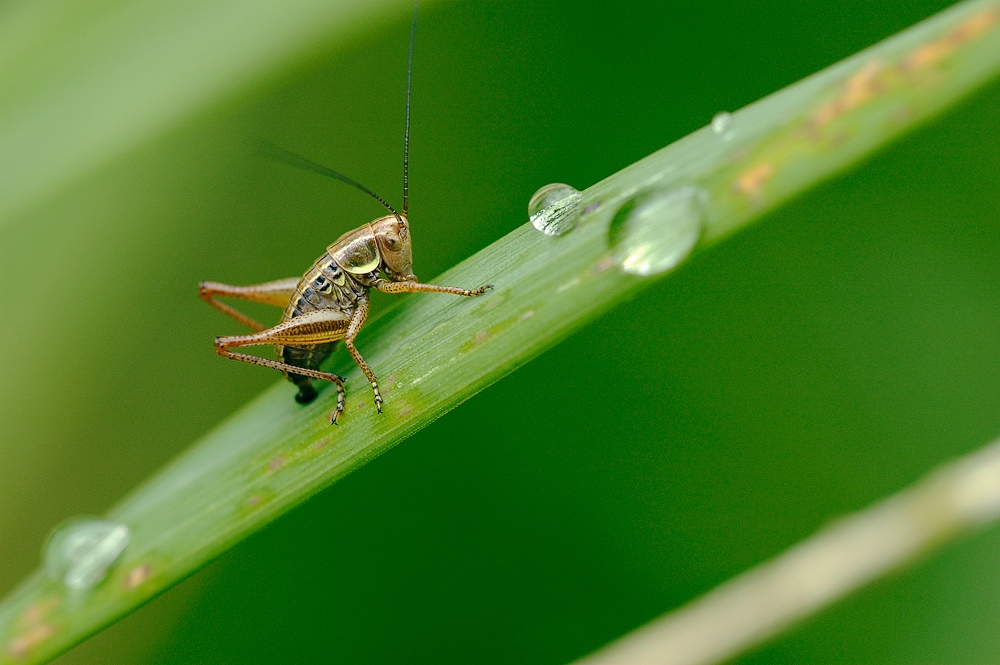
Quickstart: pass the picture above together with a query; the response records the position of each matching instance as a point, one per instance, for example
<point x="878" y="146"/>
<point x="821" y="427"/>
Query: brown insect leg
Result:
<point x="414" y="287"/>
<point x="276" y="293"/>
<point x="358" y="320"/>
<point x="318" y="327"/>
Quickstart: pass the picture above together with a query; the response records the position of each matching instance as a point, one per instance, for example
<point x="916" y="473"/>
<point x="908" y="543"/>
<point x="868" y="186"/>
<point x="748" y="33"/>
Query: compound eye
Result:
<point x="392" y="241"/>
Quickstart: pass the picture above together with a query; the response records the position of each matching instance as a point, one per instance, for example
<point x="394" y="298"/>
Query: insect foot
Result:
<point x="378" y="396"/>
<point x="340" y="402"/>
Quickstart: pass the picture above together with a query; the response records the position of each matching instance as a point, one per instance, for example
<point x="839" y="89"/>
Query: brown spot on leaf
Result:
<point x="861" y="87"/>
<point x="482" y="336"/>
<point x="604" y="265"/>
<point x="934" y="52"/>
<point x="137" y="576"/>
<point x="752" y="181"/>
<point x="276" y="463"/>
<point x="527" y="315"/>
<point x="976" y="25"/>
<point x="21" y="646"/>
<point x="37" y="611"/>
<point x="928" y="54"/>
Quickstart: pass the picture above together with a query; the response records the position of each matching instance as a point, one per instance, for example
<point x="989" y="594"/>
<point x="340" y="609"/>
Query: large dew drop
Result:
<point x="654" y="231"/>
<point x="82" y="550"/>
<point x="553" y="209"/>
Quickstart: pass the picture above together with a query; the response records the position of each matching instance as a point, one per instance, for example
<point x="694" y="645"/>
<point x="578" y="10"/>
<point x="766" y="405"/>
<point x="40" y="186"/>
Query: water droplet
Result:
<point x="722" y="125"/>
<point x="82" y="550"/>
<point x="655" y="231"/>
<point x="553" y="210"/>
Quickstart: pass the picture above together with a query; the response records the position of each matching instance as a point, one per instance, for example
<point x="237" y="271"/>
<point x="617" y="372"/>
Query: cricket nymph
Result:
<point x="329" y="302"/>
<point x="340" y="279"/>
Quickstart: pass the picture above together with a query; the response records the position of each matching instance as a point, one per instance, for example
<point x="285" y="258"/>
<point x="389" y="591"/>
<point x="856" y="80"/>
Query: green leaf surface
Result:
<point x="274" y="454"/>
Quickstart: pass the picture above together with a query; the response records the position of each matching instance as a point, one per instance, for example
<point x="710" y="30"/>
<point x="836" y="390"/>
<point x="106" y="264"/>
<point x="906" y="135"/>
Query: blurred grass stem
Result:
<point x="759" y="604"/>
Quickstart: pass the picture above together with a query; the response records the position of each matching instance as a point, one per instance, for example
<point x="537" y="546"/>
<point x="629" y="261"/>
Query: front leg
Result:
<point x="413" y="287"/>
<point x="353" y="328"/>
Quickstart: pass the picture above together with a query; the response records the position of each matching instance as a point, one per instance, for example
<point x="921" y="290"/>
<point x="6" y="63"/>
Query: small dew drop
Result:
<point x="722" y="125"/>
<point x="655" y="231"/>
<point x="82" y="550"/>
<point x="553" y="209"/>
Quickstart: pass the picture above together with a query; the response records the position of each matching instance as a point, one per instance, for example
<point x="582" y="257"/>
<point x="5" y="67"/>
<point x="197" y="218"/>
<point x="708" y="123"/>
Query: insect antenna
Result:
<point x="406" y="134"/>
<point x="277" y="153"/>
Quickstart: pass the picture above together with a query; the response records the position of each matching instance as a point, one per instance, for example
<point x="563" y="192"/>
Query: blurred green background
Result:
<point x="822" y="359"/>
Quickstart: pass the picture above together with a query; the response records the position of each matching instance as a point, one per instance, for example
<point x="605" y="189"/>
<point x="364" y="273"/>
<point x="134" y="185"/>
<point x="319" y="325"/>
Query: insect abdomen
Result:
<point x="324" y="286"/>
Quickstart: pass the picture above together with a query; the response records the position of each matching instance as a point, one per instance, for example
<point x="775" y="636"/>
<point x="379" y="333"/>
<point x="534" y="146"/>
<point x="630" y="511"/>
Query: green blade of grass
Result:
<point x="436" y="351"/>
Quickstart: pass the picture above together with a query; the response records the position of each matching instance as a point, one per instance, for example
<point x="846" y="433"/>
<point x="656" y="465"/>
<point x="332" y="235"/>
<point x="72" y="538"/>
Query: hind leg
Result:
<point x="312" y="329"/>
<point x="276" y="293"/>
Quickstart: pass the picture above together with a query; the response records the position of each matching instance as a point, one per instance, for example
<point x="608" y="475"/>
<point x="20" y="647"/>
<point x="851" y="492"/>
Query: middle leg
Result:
<point x="358" y="320"/>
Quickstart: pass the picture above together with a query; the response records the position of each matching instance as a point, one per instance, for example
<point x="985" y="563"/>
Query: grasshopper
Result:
<point x="330" y="301"/>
